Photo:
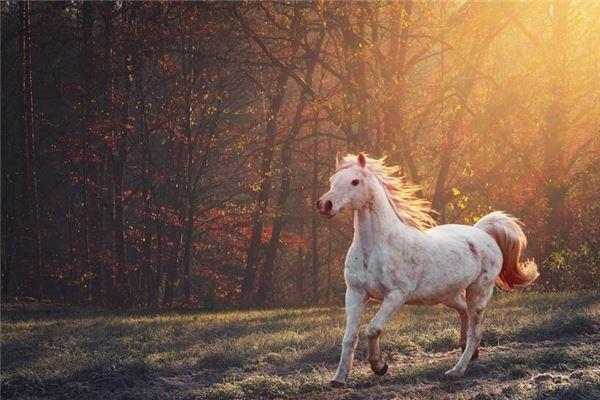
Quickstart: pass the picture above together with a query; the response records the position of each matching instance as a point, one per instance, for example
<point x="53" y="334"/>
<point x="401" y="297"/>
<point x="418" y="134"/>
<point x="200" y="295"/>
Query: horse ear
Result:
<point x="362" y="161"/>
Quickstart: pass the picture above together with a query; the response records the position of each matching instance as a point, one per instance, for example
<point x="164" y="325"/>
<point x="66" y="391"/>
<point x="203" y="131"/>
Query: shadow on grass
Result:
<point x="500" y="368"/>
<point x="96" y="331"/>
<point x="98" y="382"/>
<point x="560" y="326"/>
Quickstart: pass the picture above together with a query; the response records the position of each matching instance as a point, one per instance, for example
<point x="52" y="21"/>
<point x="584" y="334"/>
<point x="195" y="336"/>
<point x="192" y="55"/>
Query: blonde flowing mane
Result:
<point x="410" y="209"/>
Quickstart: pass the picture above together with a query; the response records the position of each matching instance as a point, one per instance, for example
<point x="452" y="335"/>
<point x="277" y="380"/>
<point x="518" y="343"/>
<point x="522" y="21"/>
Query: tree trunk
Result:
<point x="265" y="289"/>
<point x="252" y="253"/>
<point x="187" y="247"/>
<point x="154" y="295"/>
<point x="172" y="269"/>
<point x="171" y="277"/>
<point x="8" y="194"/>
<point x="361" y="94"/>
<point x="31" y="183"/>
<point x="397" y="141"/>
<point x="266" y="282"/>
<point x="88" y="209"/>
<point x="329" y="240"/>
<point x="190" y="197"/>
<point x="144" y="284"/>
<point x="119" y="159"/>
<point x="300" y="276"/>
<point x="555" y="128"/>
<point x="106" y="273"/>
<point x="314" y="249"/>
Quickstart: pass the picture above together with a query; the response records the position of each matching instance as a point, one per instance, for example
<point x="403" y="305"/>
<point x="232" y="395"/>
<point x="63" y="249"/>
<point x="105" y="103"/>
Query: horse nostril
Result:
<point x="328" y="205"/>
<point x="318" y="204"/>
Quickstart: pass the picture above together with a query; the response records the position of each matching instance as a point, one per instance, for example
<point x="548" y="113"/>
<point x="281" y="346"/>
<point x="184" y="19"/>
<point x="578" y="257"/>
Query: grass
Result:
<point x="536" y="346"/>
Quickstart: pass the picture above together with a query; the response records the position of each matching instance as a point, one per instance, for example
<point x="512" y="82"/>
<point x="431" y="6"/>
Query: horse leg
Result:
<point x="459" y="303"/>
<point x="478" y="296"/>
<point x="355" y="305"/>
<point x="391" y="303"/>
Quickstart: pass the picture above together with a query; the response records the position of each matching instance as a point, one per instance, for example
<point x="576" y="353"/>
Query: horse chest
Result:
<point x="374" y="286"/>
<point x="365" y="272"/>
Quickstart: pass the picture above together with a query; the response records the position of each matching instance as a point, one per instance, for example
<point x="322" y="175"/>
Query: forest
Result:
<point x="169" y="154"/>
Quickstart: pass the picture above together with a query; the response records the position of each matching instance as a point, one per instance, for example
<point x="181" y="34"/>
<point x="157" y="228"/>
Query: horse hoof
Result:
<point x="382" y="371"/>
<point x="336" y="384"/>
<point x="453" y="375"/>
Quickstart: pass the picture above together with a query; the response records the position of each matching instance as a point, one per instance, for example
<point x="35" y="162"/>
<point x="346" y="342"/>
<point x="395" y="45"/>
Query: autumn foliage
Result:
<point x="169" y="153"/>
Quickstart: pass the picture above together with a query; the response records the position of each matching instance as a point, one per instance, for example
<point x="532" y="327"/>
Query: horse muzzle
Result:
<point x="325" y="208"/>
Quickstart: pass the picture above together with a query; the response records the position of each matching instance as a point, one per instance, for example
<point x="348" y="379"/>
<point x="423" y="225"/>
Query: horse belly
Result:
<point x="439" y="284"/>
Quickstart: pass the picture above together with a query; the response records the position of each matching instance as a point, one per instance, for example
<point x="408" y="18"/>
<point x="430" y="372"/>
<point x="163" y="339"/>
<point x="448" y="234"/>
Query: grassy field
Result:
<point x="535" y="346"/>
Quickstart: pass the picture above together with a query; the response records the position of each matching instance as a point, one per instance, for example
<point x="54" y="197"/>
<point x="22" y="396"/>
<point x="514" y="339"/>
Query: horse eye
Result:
<point x="355" y="182"/>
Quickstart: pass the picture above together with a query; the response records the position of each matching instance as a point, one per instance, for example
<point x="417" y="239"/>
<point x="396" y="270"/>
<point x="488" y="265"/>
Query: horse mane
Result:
<point x="410" y="209"/>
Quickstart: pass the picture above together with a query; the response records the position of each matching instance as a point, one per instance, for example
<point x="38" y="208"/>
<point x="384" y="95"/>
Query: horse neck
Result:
<point x="378" y="220"/>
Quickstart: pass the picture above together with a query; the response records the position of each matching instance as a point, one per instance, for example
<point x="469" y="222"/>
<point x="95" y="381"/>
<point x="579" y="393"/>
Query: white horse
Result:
<point x="398" y="257"/>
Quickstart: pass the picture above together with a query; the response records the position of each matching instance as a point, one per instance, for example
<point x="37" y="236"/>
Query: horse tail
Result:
<point x="508" y="234"/>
